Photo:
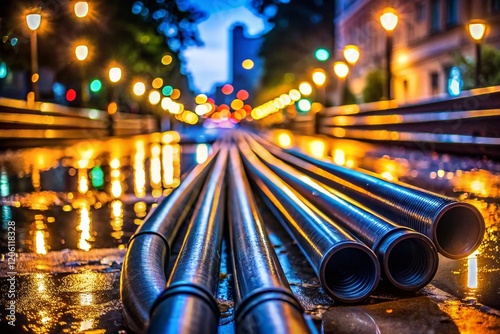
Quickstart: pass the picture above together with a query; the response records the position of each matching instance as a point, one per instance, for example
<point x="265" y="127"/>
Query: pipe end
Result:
<point x="458" y="230"/>
<point x="349" y="272"/>
<point x="409" y="259"/>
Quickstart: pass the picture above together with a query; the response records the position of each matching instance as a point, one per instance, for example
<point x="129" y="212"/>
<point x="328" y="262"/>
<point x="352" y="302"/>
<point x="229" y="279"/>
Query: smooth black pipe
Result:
<point x="409" y="259"/>
<point x="143" y="275"/>
<point x="347" y="269"/>
<point x="188" y="304"/>
<point x="264" y="301"/>
<point x="456" y="228"/>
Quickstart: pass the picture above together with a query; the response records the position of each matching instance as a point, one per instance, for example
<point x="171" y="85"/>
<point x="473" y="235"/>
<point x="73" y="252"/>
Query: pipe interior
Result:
<point x="459" y="231"/>
<point x="411" y="263"/>
<point x="351" y="274"/>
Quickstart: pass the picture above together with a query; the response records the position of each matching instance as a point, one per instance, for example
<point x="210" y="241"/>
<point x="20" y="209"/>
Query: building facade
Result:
<point x="428" y="35"/>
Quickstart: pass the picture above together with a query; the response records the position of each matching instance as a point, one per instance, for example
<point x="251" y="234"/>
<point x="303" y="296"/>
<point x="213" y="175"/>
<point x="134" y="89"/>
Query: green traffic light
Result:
<point x="95" y="86"/>
<point x="322" y="54"/>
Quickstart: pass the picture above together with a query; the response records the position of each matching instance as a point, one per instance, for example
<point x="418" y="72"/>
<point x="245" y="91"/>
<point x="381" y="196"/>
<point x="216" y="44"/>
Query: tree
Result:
<point x="490" y="68"/>
<point x="134" y="34"/>
<point x="374" y="88"/>
<point x="299" y="28"/>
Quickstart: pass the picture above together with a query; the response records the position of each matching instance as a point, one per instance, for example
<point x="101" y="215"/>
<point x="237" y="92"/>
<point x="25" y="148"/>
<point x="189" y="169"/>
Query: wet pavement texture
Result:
<point x="76" y="206"/>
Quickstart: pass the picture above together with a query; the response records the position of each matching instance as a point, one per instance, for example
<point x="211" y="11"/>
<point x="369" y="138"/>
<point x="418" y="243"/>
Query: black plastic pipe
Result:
<point x="347" y="269"/>
<point x="143" y="275"/>
<point x="456" y="228"/>
<point x="408" y="259"/>
<point x="188" y="304"/>
<point x="264" y="301"/>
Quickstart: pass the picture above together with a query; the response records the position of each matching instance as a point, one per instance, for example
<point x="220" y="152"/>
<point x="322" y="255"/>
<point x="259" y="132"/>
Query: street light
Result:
<point x="351" y="54"/>
<point x="33" y="21"/>
<point x="81" y="53"/>
<point x="81" y="9"/>
<point x="305" y="88"/>
<point x="341" y="70"/>
<point x="115" y="74"/>
<point x="389" y="20"/>
<point x="319" y="79"/>
<point x="477" y="30"/>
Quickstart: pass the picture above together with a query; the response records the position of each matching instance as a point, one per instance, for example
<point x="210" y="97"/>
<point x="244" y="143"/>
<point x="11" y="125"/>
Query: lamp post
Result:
<point x="389" y="20"/>
<point x="341" y="70"/>
<point x="115" y="74"/>
<point x="81" y="9"/>
<point x="33" y="21"/>
<point x="351" y="55"/>
<point x="81" y="53"/>
<point x="477" y="30"/>
<point x="319" y="79"/>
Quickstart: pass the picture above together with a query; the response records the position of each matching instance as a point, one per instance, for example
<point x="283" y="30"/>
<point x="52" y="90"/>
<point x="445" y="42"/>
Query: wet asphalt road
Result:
<point x="71" y="237"/>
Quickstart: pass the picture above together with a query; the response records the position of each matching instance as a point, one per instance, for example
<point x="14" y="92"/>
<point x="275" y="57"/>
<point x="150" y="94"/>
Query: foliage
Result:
<point x="490" y="68"/>
<point x="349" y="97"/>
<point x="374" y="88"/>
<point x="134" y="34"/>
<point x="299" y="28"/>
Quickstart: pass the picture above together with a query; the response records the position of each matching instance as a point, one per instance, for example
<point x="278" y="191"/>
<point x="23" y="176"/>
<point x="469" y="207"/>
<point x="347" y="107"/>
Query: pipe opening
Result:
<point x="351" y="274"/>
<point x="411" y="263"/>
<point x="459" y="231"/>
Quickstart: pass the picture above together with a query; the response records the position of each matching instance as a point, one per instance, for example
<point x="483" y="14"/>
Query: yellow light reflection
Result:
<point x="116" y="185"/>
<point x="86" y="299"/>
<point x="84" y="226"/>
<point x="201" y="153"/>
<point x="317" y="148"/>
<point x="140" y="212"/>
<point x="155" y="163"/>
<point x="139" y="170"/>
<point x="284" y="140"/>
<point x="339" y="156"/>
<point x="171" y="165"/>
<point x="116" y="216"/>
<point x="472" y="270"/>
<point x="40" y="247"/>
<point x="35" y="178"/>
<point x="83" y="181"/>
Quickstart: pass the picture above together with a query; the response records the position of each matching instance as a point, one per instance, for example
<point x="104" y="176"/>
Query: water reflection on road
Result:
<point x="91" y="194"/>
<point x="473" y="180"/>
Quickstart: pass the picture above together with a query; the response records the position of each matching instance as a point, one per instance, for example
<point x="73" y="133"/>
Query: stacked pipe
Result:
<point x="455" y="227"/>
<point x="348" y="225"/>
<point x="409" y="259"/>
<point x="143" y="275"/>
<point x="347" y="269"/>
<point x="188" y="304"/>
<point x="264" y="301"/>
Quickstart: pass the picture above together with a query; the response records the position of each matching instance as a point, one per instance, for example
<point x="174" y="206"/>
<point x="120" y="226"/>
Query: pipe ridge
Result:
<point x="186" y="288"/>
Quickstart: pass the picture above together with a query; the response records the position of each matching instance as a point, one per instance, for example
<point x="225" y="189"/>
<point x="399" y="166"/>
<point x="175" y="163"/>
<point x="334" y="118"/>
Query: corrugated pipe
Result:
<point x="264" y="301"/>
<point x="143" y="273"/>
<point x="456" y="228"/>
<point x="188" y="304"/>
<point x="409" y="259"/>
<point x="347" y="269"/>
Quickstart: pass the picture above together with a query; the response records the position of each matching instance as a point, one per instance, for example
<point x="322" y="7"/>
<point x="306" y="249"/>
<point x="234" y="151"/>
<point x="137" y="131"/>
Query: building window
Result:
<point x="419" y="11"/>
<point x="495" y="5"/>
<point x="434" y="83"/>
<point x="435" y="16"/>
<point x="451" y="13"/>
